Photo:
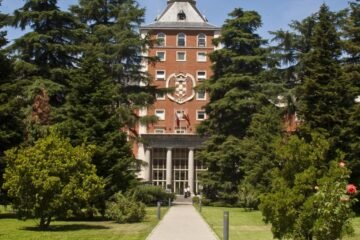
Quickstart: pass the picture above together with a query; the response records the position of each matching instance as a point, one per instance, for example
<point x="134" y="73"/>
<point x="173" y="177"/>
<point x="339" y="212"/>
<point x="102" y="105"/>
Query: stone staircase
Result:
<point x="181" y="200"/>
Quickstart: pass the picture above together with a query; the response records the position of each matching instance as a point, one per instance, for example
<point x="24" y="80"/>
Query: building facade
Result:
<point x="183" y="41"/>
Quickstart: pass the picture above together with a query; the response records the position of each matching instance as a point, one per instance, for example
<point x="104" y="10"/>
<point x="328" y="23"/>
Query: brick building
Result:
<point x="184" y="40"/>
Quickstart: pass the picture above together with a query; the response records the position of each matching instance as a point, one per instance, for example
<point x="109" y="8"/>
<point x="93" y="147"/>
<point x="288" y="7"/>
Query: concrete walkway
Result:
<point x="182" y="222"/>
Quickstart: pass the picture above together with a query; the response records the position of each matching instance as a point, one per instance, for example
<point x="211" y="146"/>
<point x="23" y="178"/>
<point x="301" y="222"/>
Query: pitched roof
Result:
<point x="191" y="17"/>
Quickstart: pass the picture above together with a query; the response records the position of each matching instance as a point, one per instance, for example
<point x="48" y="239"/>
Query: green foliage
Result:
<point x="195" y="200"/>
<point x="233" y="89"/>
<point x="43" y="57"/>
<point x="248" y="196"/>
<point x="104" y="92"/>
<point x="235" y="92"/>
<point x="51" y="178"/>
<point x="224" y="168"/>
<point x="11" y="125"/>
<point x="294" y="207"/>
<point x="325" y="96"/>
<point x="150" y="195"/>
<point x="123" y="209"/>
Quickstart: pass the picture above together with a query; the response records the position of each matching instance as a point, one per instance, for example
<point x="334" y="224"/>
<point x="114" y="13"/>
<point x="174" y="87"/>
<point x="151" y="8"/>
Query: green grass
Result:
<point x="13" y="229"/>
<point x="246" y="225"/>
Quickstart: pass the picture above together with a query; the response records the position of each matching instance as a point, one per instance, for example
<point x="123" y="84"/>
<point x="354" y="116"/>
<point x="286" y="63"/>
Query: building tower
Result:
<point x="184" y="40"/>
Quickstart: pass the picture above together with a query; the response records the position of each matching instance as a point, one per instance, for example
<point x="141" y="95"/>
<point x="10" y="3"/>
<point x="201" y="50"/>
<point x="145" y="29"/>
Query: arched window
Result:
<point x="161" y="39"/>
<point x="201" y="40"/>
<point x="181" y="40"/>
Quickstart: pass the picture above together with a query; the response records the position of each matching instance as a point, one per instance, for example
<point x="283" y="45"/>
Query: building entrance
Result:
<point x="180" y="170"/>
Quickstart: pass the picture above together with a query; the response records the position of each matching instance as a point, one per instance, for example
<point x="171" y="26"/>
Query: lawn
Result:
<point x="13" y="229"/>
<point x="249" y="225"/>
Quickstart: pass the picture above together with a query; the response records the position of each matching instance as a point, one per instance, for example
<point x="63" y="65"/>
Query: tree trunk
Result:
<point x="45" y="222"/>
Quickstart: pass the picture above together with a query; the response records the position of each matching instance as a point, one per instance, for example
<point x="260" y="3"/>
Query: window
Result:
<point x="181" y="15"/>
<point x="201" y="94"/>
<point x="201" y="75"/>
<point x="200" y="115"/>
<point x="180" y="130"/>
<point x="201" y="57"/>
<point x="180" y="56"/>
<point x="161" y="56"/>
<point x="181" y="40"/>
<point x="160" y="75"/>
<point x="159" y="130"/>
<point x="160" y="96"/>
<point x="161" y="39"/>
<point x="180" y="114"/>
<point x="201" y="40"/>
<point x="160" y="113"/>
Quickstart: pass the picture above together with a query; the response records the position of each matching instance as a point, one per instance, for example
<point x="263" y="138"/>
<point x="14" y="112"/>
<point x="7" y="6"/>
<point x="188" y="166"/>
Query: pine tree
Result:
<point x="43" y="57"/>
<point x="11" y="127"/>
<point x="106" y="90"/>
<point x="234" y="99"/>
<point x="351" y="68"/>
<point x="324" y="95"/>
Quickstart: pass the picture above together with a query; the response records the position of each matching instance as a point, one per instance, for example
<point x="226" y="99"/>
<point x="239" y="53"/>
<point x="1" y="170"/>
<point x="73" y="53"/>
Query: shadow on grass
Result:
<point x="7" y="215"/>
<point x="66" y="228"/>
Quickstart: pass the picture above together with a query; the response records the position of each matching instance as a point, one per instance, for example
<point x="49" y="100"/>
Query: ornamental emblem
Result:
<point x="184" y="87"/>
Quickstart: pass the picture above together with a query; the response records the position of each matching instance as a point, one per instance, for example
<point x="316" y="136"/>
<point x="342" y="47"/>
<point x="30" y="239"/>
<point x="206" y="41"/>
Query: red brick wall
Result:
<point x="171" y="65"/>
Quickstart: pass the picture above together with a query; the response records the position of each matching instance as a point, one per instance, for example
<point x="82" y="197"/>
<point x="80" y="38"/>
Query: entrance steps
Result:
<point x="181" y="200"/>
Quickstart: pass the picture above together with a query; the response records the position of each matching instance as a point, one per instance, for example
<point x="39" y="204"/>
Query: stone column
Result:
<point x="147" y="168"/>
<point x="191" y="172"/>
<point x="168" y="167"/>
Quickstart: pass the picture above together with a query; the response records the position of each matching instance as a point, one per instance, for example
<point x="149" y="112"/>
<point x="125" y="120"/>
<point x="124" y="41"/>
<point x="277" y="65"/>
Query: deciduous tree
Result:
<point x="51" y="178"/>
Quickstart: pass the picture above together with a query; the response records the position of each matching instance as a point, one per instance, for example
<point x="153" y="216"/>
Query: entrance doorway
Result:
<point x="180" y="170"/>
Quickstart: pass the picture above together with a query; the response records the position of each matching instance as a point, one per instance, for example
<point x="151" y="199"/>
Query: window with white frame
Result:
<point x="181" y="40"/>
<point x="201" y="94"/>
<point x="201" y="75"/>
<point x="160" y="75"/>
<point x="160" y="96"/>
<point x="161" y="39"/>
<point x="201" y="57"/>
<point x="200" y="115"/>
<point x="159" y="130"/>
<point x="201" y="40"/>
<point x="161" y="56"/>
<point x="160" y="113"/>
<point x="180" y="130"/>
<point x="180" y="56"/>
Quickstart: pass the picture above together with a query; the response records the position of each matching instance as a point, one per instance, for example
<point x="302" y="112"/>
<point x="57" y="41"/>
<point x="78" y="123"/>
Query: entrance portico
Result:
<point x="171" y="162"/>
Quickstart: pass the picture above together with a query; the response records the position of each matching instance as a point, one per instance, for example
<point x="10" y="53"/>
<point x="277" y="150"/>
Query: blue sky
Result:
<point x="275" y="14"/>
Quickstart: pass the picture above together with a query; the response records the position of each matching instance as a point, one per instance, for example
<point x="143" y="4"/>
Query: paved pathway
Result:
<point x="182" y="222"/>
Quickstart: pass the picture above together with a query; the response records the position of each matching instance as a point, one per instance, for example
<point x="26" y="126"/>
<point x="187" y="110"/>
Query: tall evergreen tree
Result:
<point x="108" y="87"/>
<point x="324" y="95"/>
<point x="10" y="118"/>
<point x="43" y="57"/>
<point x="234" y="99"/>
<point x="351" y="68"/>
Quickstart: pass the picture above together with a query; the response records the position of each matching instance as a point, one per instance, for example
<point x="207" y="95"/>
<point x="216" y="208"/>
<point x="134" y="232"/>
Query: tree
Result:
<point x="235" y="97"/>
<point x="308" y="194"/>
<point x="324" y="95"/>
<point x="43" y="57"/>
<point x="351" y="69"/>
<point x="258" y="149"/>
<point x="11" y="126"/>
<point x="108" y="88"/>
<point x="51" y="178"/>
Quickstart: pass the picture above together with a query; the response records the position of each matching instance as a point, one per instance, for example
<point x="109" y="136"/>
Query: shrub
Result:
<point x="124" y="209"/>
<point x="195" y="200"/>
<point x="205" y="201"/>
<point x="150" y="195"/>
<point x="248" y="197"/>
